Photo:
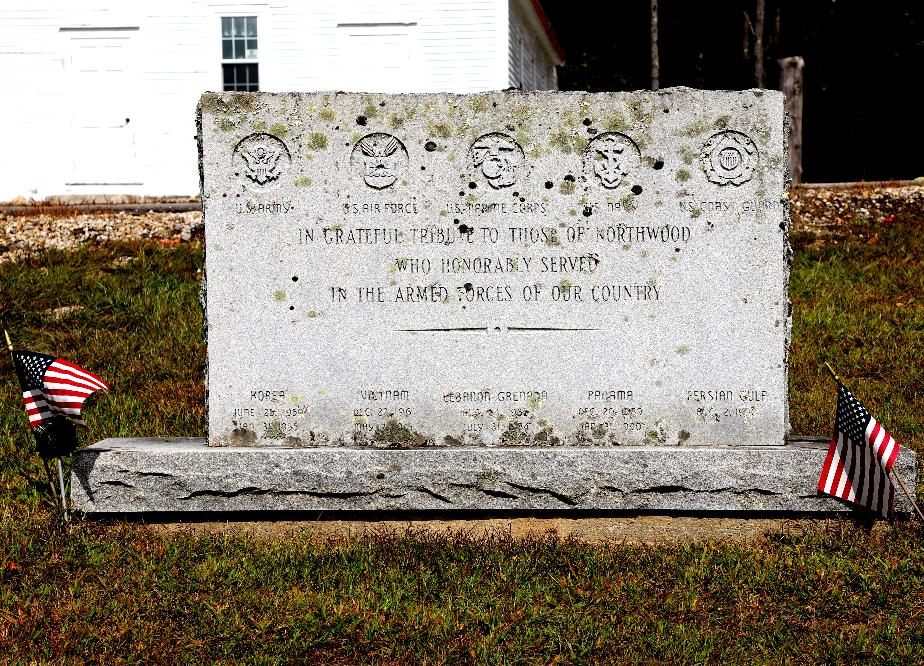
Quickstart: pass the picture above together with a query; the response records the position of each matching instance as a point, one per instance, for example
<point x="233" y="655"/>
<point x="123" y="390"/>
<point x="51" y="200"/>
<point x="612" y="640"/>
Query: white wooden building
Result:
<point x="99" y="97"/>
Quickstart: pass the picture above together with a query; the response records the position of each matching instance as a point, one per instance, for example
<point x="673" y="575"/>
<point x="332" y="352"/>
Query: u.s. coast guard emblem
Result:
<point x="729" y="158"/>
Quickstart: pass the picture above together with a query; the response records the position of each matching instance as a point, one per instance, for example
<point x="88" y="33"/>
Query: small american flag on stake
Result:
<point x="860" y="457"/>
<point x="52" y="386"/>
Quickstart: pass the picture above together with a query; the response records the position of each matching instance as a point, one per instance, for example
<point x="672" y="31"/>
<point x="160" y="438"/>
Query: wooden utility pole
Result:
<point x="791" y="84"/>
<point x="759" y="46"/>
<point x="655" y="58"/>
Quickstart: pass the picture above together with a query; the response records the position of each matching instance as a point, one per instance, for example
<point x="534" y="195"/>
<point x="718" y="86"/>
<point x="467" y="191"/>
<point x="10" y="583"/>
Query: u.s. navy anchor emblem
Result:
<point x="381" y="157"/>
<point x="729" y="158"/>
<point x="262" y="159"/>
<point x="610" y="157"/>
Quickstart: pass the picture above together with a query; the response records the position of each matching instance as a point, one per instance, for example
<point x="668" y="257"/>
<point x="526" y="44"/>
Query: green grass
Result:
<point x="860" y="306"/>
<point x="104" y="592"/>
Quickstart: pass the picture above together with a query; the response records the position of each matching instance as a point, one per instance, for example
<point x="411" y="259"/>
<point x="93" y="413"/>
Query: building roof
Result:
<point x="547" y="32"/>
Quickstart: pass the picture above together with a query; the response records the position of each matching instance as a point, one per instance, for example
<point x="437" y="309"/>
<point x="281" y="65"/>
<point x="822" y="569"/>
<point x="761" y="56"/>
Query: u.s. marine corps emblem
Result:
<point x="262" y="159"/>
<point x="381" y="157"/>
<point x="729" y="158"/>
<point x="610" y="157"/>
<point x="498" y="157"/>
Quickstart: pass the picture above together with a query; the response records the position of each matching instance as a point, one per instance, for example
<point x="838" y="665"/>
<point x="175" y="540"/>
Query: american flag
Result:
<point x="52" y="386"/>
<point x="860" y="458"/>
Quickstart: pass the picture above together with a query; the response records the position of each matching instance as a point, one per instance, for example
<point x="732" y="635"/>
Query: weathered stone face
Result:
<point x="499" y="269"/>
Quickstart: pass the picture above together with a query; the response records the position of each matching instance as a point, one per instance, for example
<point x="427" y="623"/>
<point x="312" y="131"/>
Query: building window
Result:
<point x="239" y="68"/>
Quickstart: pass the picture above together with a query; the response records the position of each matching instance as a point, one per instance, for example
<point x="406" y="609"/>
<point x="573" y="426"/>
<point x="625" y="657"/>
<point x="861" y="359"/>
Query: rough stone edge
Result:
<point x="185" y="475"/>
<point x="203" y="204"/>
<point x="788" y="258"/>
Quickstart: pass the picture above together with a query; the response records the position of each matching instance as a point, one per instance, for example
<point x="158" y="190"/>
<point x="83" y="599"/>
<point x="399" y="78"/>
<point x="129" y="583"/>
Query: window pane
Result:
<point x="252" y="79"/>
<point x="240" y="77"/>
<point x="239" y="35"/>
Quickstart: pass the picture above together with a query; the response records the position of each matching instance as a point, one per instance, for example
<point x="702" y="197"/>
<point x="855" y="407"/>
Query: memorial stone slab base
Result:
<point x="137" y="475"/>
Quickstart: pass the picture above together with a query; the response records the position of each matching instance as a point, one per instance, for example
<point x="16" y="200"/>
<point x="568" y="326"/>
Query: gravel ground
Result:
<point x="63" y="229"/>
<point x="831" y="213"/>
<point x="824" y="213"/>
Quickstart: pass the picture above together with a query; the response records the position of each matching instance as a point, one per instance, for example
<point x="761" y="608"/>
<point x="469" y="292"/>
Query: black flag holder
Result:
<point x="53" y="439"/>
<point x="893" y="471"/>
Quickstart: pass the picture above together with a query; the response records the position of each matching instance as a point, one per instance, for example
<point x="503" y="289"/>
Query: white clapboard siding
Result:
<point x="99" y="97"/>
<point x="531" y="59"/>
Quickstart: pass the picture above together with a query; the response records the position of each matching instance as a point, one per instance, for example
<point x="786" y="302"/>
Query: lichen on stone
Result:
<point x="395" y="435"/>
<point x="615" y="121"/>
<point x="687" y="154"/>
<point x="442" y="130"/>
<point x="275" y="430"/>
<point x="317" y="141"/>
<point x="697" y="127"/>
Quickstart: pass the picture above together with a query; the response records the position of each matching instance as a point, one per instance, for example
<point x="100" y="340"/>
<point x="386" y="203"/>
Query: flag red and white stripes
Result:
<point x="859" y="459"/>
<point x="54" y="386"/>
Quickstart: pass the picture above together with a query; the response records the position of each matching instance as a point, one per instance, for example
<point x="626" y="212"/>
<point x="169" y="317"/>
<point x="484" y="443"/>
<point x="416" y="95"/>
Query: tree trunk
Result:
<point x="655" y="59"/>
<point x="759" y="46"/>
<point x="791" y="84"/>
<point x="746" y="36"/>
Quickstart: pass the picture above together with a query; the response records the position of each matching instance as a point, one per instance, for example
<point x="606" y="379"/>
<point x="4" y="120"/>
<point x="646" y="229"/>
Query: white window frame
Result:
<point x="264" y="44"/>
<point x="239" y="61"/>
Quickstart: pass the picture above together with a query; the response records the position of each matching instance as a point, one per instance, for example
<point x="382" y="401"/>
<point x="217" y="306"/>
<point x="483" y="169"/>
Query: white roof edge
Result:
<point x="535" y="23"/>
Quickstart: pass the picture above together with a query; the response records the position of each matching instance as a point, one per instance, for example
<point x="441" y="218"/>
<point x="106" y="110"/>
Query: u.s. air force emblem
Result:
<point x="381" y="158"/>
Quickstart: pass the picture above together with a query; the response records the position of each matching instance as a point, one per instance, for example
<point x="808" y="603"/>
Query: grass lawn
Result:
<point x="104" y="592"/>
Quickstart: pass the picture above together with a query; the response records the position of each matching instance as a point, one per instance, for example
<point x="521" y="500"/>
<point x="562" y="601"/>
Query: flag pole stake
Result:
<point x="51" y="481"/>
<point x="67" y="516"/>
<point x="893" y="471"/>
<point x="911" y="499"/>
